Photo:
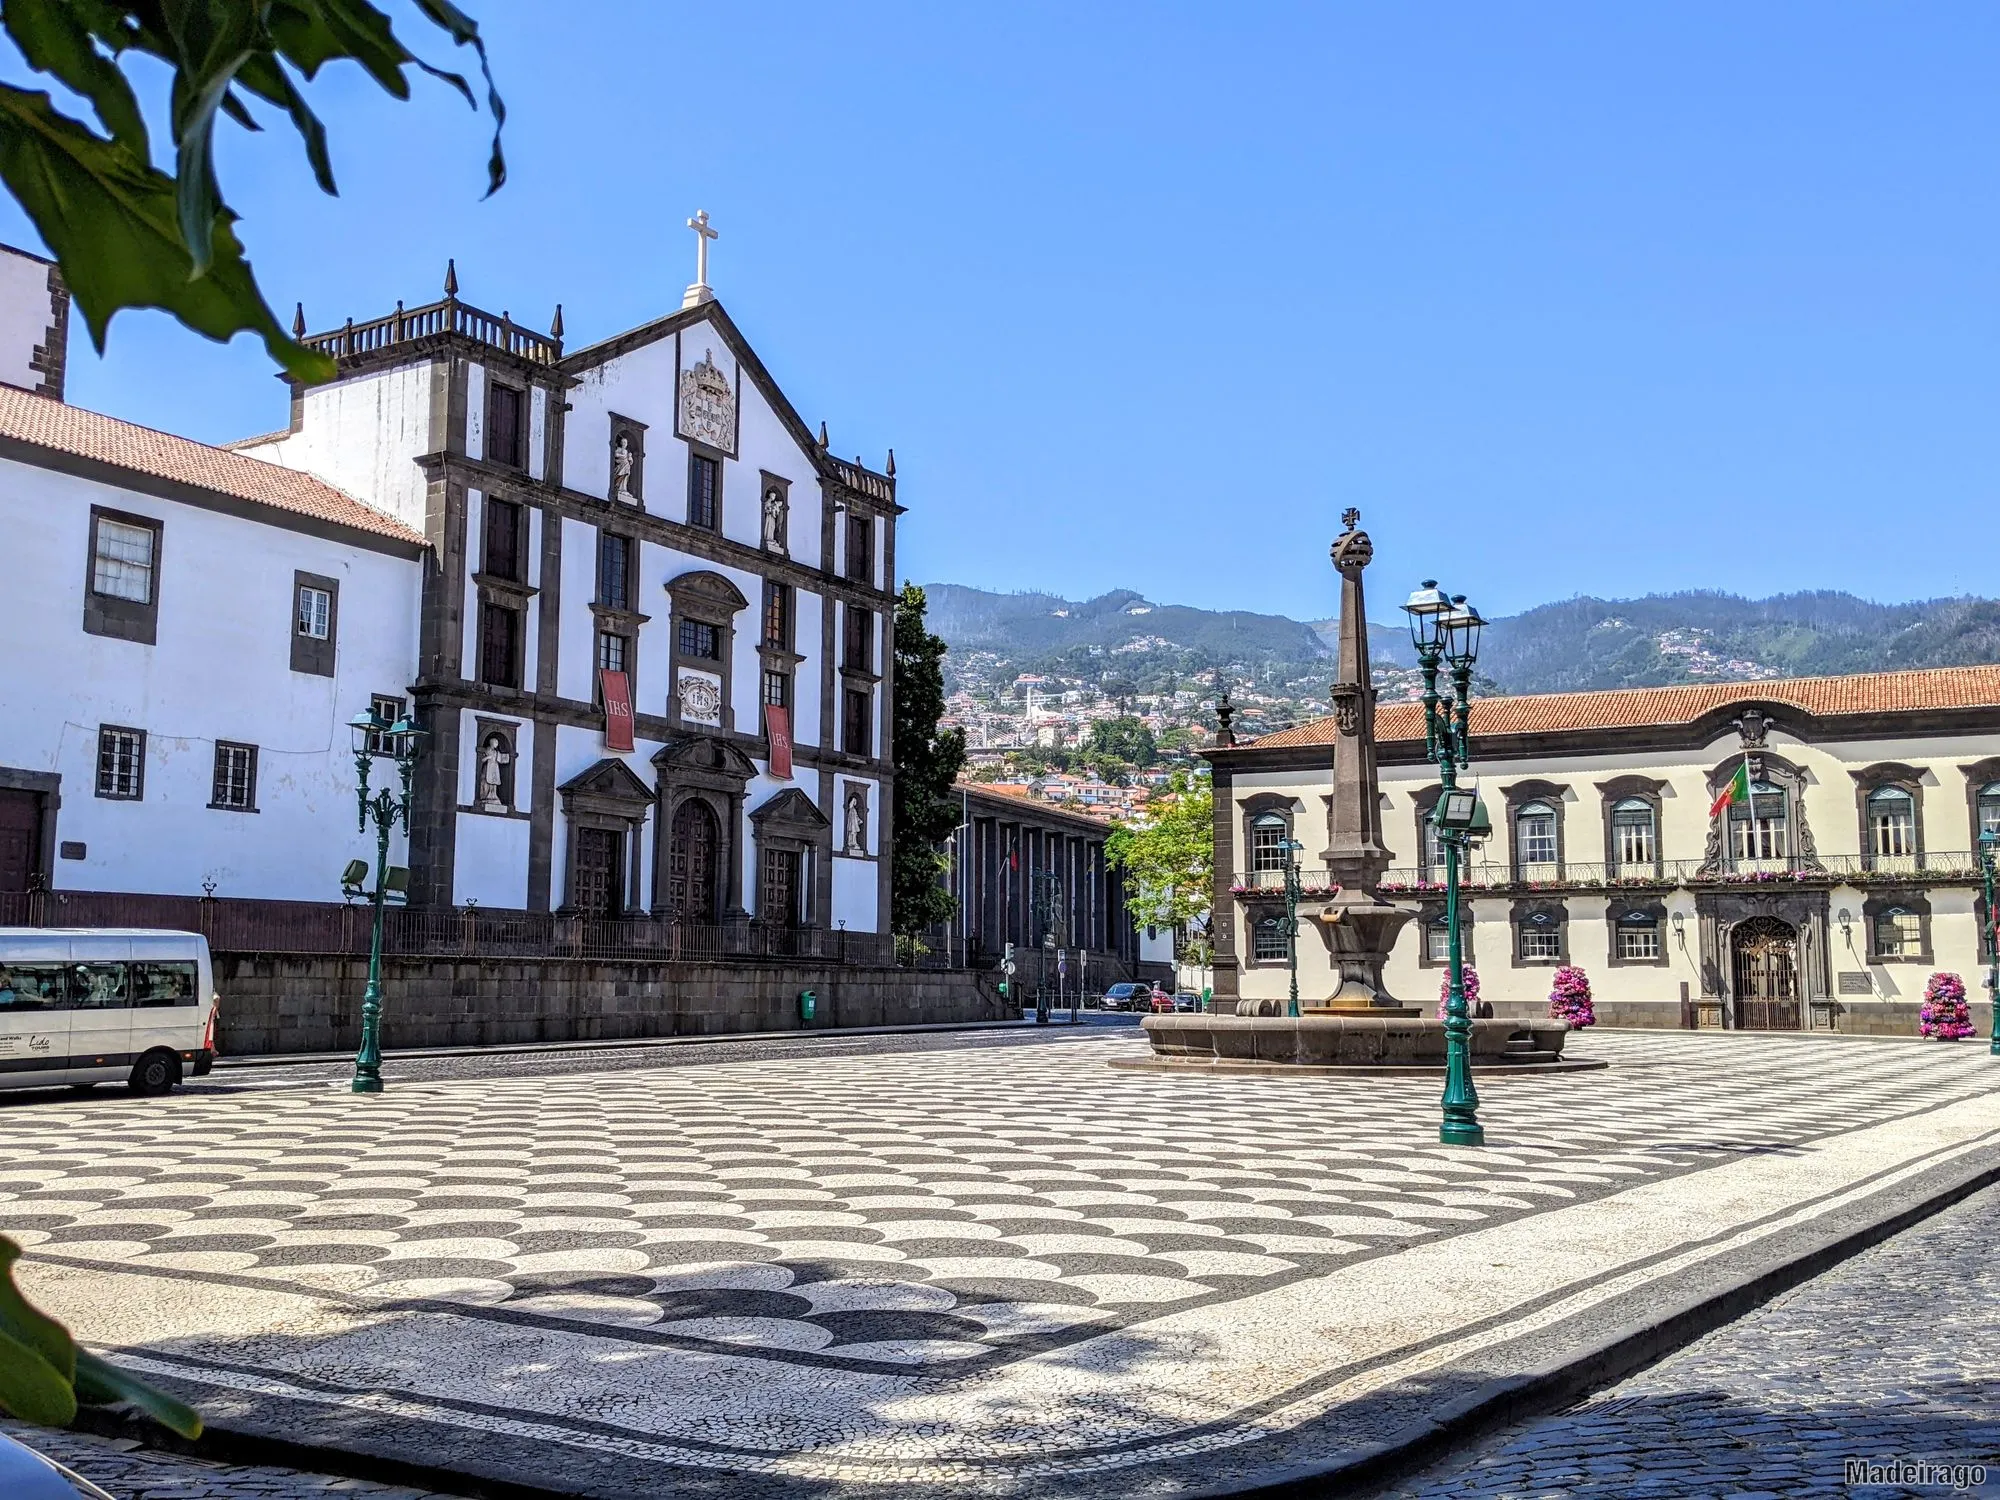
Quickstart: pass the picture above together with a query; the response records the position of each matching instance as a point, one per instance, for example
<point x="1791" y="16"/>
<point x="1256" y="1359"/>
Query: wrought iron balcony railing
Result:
<point x="1956" y="866"/>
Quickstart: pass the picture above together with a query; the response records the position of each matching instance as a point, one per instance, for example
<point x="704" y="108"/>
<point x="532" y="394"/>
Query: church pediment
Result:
<point x="608" y="781"/>
<point x="791" y="807"/>
<point x="705" y="587"/>
<point x="704" y="755"/>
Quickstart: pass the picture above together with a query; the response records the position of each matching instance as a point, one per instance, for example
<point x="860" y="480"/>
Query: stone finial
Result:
<point x="891" y="470"/>
<point x="298" y="320"/>
<point x="451" y="277"/>
<point x="1225" y="717"/>
<point x="822" y="436"/>
<point x="556" y="328"/>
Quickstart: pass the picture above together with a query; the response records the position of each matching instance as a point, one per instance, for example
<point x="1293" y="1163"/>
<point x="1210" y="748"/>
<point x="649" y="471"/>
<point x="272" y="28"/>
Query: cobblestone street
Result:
<point x="981" y="1263"/>
<point x="1893" y="1356"/>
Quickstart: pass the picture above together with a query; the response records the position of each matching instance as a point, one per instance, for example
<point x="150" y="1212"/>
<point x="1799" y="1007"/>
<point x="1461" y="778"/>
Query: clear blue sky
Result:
<point x="1567" y="298"/>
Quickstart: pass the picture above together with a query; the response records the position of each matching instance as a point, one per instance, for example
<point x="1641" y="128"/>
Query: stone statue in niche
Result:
<point x="621" y="470"/>
<point x="775" y="518"/>
<point x="628" y="461"/>
<point x="494" y="758"/>
<point x="854" y="822"/>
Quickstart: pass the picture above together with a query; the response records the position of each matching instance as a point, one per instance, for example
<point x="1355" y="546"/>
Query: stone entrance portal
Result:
<point x="1766" y="973"/>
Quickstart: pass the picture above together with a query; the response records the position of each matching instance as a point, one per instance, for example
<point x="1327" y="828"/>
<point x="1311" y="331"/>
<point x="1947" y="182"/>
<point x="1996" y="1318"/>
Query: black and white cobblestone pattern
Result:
<point x="129" y="1472"/>
<point x="1891" y="1357"/>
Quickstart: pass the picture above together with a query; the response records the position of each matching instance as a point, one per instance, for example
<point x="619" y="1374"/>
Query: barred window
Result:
<point x="1268" y="939"/>
<point x="121" y="763"/>
<point x="700" y="640"/>
<point x="123" y="566"/>
<point x="235" y="777"/>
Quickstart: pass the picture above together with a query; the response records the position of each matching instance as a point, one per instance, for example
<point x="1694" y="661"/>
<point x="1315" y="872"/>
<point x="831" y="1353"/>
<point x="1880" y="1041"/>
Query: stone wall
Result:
<point x="298" y="1003"/>
<point x="1854" y="1017"/>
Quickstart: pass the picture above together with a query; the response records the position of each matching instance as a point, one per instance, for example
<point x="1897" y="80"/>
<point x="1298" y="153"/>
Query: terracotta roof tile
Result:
<point x="44" y="423"/>
<point x="1627" y="708"/>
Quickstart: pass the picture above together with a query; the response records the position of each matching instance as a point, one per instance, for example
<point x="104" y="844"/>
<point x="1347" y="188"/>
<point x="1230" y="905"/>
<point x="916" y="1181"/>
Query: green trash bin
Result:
<point x="808" y="1006"/>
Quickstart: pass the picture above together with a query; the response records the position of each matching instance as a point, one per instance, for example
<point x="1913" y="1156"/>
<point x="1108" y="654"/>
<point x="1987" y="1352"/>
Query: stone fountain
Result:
<point x="1360" y="1027"/>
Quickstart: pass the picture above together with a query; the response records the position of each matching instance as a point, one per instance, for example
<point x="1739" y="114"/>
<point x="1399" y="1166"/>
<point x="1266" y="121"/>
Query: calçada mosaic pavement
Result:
<point x="1015" y="1270"/>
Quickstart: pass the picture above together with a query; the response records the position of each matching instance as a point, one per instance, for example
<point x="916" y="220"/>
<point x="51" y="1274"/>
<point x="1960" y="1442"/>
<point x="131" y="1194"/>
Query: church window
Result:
<point x="1634" y="835"/>
<point x="1535" y="835"/>
<point x="506" y="432"/>
<point x="1638" y="938"/>
<point x="1899" y="933"/>
<point x="123" y="565"/>
<point x="1270" y="841"/>
<point x="856" y="732"/>
<point x="778" y="615"/>
<point x="121" y="763"/>
<point x="704" y="491"/>
<point x="1892" y="821"/>
<point x="861" y="548"/>
<point x="614" y="567"/>
<point x="1989" y="810"/>
<point x="611" y="651"/>
<point x="385" y="709"/>
<point x="499" y="646"/>
<point x="700" y="640"/>
<point x="235" y="787"/>
<point x="777" y="689"/>
<point x="315" y="612"/>
<point x="503" y="539"/>
<point x="860" y="653"/>
<point x="1757" y="827"/>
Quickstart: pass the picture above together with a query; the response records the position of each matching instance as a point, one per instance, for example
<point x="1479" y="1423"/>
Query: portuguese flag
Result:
<point x="1738" y="789"/>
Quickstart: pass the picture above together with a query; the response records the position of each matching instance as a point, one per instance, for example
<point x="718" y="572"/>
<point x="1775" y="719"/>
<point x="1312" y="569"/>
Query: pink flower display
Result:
<point x="1569" y="1000"/>
<point x="1945" y="1015"/>
<point x="1471" y="991"/>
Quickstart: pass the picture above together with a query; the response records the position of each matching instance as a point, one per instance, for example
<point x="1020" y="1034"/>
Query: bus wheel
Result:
<point x="155" y="1073"/>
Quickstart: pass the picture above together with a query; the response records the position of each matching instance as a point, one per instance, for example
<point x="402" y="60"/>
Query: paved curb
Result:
<point x="1553" y="1386"/>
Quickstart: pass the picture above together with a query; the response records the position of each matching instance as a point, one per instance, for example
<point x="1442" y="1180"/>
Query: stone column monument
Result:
<point x="1359" y="926"/>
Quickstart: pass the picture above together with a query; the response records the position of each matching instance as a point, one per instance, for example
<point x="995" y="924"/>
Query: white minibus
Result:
<point x="94" y="1005"/>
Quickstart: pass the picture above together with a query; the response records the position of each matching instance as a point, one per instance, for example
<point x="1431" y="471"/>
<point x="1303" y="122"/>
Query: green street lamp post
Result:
<point x="403" y="741"/>
<point x="1989" y="850"/>
<point x="1445" y="631"/>
<point x="1292" y="849"/>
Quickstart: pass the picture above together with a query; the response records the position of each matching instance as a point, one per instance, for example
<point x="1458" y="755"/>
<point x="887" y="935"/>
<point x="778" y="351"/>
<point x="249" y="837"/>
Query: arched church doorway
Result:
<point x="1766" y="963"/>
<point x="691" y="855"/>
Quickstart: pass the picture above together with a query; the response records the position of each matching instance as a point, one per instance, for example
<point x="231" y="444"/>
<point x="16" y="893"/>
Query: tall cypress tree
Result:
<point x="928" y="760"/>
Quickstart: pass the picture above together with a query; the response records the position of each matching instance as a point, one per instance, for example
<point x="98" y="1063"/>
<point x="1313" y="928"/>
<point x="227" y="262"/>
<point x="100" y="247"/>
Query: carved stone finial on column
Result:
<point x="1225" y="715"/>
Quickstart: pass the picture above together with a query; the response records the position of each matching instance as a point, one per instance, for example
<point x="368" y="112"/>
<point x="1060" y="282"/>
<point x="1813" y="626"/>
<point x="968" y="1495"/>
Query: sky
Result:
<point x="1566" y="298"/>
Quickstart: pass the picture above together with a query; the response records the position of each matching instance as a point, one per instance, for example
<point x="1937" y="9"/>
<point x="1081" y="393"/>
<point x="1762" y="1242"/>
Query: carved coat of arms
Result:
<point x="701" y="699"/>
<point x="708" y="405"/>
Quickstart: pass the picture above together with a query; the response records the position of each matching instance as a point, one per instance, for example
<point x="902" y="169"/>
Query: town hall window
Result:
<point x="121" y="763"/>
<point x="1270" y="841"/>
<point x="1899" y="933"/>
<point x="1989" y="810"/>
<point x="700" y="640"/>
<point x="1535" y="835"/>
<point x="506" y="431"/>
<point x="1757" y="827"/>
<point x="1269" y="941"/>
<point x="1892" y="821"/>
<point x="704" y="491"/>
<point x="1437" y="941"/>
<point x="1638" y="938"/>
<point x="235" y="786"/>
<point x="1634" y="837"/>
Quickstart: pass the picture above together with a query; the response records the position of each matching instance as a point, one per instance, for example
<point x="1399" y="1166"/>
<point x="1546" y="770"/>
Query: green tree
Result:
<point x="1124" y="739"/>
<point x="1168" y="857"/>
<point x="124" y="232"/>
<point x="928" y="760"/>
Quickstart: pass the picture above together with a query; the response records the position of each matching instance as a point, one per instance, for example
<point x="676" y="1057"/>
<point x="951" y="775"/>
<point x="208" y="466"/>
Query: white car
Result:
<point x="84" y="1006"/>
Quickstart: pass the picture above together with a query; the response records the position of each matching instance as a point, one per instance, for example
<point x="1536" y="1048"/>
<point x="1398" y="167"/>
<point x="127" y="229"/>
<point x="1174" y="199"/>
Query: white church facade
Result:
<point x="641" y="611"/>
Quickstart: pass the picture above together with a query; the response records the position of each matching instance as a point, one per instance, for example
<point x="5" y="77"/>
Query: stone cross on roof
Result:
<point x="700" y="292"/>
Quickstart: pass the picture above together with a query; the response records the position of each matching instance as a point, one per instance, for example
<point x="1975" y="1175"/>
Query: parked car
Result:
<point x="28" y="1475"/>
<point x="1160" y="1000"/>
<point x="85" y="1006"/>
<point x="1186" y="1000"/>
<point x="1126" y="997"/>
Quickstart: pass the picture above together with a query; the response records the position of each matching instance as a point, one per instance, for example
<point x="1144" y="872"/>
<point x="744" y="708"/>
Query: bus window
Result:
<point x="28" y="987"/>
<point x="164" y="982"/>
<point x="97" y="986"/>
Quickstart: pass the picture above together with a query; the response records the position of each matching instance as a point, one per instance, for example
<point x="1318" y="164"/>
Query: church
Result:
<point x="640" y="609"/>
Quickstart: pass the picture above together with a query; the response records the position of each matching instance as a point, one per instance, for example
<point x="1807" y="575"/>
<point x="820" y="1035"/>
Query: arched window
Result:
<point x="1989" y="809"/>
<point x="1892" y="821"/>
<point x="1269" y="834"/>
<point x="1899" y="933"/>
<point x="1638" y="937"/>
<point x="1757" y="828"/>
<point x="1635" y="838"/>
<point x="1535" y="835"/>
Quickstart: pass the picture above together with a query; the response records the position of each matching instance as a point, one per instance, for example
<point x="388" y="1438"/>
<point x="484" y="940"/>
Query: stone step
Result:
<point x="1532" y="1055"/>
